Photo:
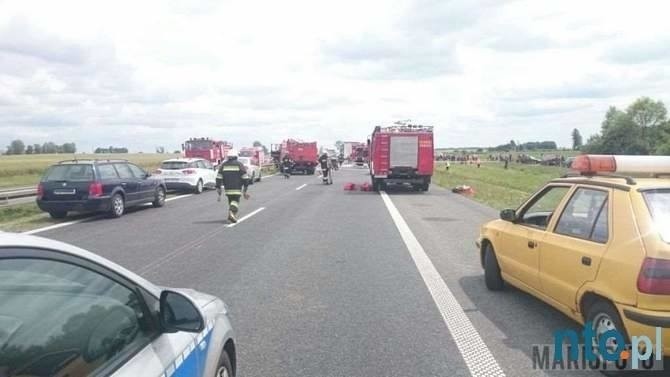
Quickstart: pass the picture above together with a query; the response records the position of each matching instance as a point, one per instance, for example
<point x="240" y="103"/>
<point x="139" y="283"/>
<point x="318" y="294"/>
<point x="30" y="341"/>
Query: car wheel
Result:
<point x="224" y="367"/>
<point x="492" y="276"/>
<point x="58" y="214"/>
<point x="604" y="317"/>
<point x="118" y="206"/>
<point x="198" y="187"/>
<point x="159" y="198"/>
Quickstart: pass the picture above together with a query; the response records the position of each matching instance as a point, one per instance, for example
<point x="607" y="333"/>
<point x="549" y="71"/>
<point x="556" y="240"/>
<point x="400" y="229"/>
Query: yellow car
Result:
<point x="595" y="246"/>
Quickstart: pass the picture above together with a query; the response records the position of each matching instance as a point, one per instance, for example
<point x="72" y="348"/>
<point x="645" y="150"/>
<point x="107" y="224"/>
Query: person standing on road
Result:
<point x="324" y="160"/>
<point x="286" y="166"/>
<point x="233" y="177"/>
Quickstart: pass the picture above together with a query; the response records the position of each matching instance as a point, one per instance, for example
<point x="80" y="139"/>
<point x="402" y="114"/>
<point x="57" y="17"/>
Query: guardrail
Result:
<point x="16" y="192"/>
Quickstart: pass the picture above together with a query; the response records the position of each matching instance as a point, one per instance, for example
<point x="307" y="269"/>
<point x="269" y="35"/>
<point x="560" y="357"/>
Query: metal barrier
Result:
<point x="16" y="192"/>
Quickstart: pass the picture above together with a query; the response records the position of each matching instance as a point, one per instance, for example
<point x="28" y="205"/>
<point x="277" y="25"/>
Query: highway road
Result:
<point x="326" y="282"/>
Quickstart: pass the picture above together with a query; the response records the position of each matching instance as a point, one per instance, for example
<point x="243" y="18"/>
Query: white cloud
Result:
<point x="142" y="74"/>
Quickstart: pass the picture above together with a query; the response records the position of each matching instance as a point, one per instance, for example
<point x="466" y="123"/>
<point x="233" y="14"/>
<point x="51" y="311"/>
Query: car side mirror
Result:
<point x="178" y="313"/>
<point x="508" y="215"/>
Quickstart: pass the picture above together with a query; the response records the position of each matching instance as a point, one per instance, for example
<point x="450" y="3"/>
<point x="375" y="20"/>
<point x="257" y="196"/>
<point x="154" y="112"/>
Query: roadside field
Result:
<point x="495" y="186"/>
<point x="25" y="170"/>
<point x="22" y="217"/>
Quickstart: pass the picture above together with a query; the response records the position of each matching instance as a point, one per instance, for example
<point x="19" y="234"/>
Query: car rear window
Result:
<point x="176" y="165"/>
<point x="69" y="172"/>
<point x="658" y="202"/>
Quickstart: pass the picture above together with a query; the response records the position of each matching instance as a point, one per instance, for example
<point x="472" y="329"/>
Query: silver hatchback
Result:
<point x="67" y="312"/>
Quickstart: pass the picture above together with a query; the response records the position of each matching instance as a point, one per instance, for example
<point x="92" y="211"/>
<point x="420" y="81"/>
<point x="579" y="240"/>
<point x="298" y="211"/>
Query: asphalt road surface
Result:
<point x="326" y="282"/>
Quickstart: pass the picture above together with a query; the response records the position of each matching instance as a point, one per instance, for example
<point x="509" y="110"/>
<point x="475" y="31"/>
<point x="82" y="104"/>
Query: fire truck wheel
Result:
<point x="198" y="187"/>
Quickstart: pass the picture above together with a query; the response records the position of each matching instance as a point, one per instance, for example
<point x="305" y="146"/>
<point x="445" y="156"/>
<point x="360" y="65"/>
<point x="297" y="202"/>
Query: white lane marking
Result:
<point x="475" y="353"/>
<point x="301" y="187"/>
<point x="178" y="197"/>
<point x="245" y="217"/>
<point x="61" y="225"/>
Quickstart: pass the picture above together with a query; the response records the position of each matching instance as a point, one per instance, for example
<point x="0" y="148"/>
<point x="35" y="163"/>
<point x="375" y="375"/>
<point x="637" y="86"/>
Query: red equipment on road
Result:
<point x="401" y="154"/>
<point x="303" y="154"/>
<point x="212" y="150"/>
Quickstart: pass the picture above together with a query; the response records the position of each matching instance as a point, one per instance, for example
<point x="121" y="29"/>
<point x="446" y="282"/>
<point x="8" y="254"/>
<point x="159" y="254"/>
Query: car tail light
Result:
<point x="654" y="277"/>
<point x="40" y="191"/>
<point x="188" y="171"/>
<point x="95" y="189"/>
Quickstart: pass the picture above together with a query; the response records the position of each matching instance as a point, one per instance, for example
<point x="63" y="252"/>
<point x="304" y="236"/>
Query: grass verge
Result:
<point x="494" y="185"/>
<point x="20" y="217"/>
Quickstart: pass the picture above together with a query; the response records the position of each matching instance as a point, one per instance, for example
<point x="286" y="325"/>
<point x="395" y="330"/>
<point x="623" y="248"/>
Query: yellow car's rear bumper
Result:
<point x="641" y="322"/>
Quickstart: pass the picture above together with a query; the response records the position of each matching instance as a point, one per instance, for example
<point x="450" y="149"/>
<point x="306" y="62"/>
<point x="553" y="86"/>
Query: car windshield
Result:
<point x="175" y="165"/>
<point x="70" y="173"/>
<point x="658" y="202"/>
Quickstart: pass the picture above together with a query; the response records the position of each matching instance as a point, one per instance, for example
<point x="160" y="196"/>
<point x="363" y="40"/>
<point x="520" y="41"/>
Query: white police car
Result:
<point x="67" y="312"/>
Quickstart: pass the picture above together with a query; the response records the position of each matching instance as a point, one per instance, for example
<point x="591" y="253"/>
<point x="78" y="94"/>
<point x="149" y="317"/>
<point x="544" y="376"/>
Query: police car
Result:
<point x="594" y="245"/>
<point x="67" y="312"/>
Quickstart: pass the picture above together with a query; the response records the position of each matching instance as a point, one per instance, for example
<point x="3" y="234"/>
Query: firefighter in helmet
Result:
<point x="326" y="166"/>
<point x="233" y="177"/>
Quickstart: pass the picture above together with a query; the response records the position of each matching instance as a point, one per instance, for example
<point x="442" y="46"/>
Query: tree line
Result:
<point x="528" y="146"/>
<point x="641" y="129"/>
<point x="19" y="147"/>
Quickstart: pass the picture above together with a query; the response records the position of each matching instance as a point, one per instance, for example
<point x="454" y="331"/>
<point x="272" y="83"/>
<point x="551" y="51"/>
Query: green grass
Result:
<point x="25" y="170"/>
<point x="22" y="217"/>
<point x="495" y="186"/>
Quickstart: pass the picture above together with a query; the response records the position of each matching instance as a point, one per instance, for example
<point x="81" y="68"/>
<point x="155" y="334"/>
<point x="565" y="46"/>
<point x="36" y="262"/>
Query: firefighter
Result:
<point x="233" y="177"/>
<point x="324" y="160"/>
<point x="286" y="165"/>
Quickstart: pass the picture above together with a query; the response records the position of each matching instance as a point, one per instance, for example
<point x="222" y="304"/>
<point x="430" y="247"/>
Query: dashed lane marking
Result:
<point x="475" y="353"/>
<point x="245" y="217"/>
<point x="300" y="187"/>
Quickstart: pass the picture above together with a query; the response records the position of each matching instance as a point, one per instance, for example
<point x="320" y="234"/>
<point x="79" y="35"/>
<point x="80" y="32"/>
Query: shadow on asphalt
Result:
<point x="205" y="222"/>
<point x="525" y="320"/>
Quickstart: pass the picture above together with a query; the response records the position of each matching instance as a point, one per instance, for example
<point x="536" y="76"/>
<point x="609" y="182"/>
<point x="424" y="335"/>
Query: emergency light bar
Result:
<point x="592" y="164"/>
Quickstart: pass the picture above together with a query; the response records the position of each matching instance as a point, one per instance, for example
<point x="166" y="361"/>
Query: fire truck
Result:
<point x="359" y="154"/>
<point x="256" y="154"/>
<point x="212" y="150"/>
<point x="303" y="154"/>
<point x="401" y="154"/>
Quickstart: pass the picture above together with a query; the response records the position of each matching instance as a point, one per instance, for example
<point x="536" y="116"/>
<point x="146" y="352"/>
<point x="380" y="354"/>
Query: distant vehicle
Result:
<point x="303" y="155"/>
<point x="253" y="170"/>
<point x="528" y="159"/>
<point x="401" y="154"/>
<point x="552" y="160"/>
<point x="188" y="174"/>
<point x="595" y="246"/>
<point x="211" y="150"/>
<point x="360" y="154"/>
<point x="97" y="185"/>
<point x="67" y="312"/>
<point x="255" y="154"/>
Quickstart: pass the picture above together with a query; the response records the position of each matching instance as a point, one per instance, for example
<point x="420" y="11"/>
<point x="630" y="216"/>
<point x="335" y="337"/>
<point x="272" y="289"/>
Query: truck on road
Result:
<point x="212" y="150"/>
<point x="401" y="154"/>
<point x="303" y="154"/>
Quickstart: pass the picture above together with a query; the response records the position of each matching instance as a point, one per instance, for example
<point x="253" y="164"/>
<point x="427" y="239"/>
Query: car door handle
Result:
<point x="586" y="261"/>
<point x="532" y="244"/>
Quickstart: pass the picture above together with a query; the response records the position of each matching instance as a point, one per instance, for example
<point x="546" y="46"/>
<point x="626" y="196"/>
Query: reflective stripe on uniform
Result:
<point x="233" y="192"/>
<point x="231" y="168"/>
<point x="245" y="176"/>
<point x="234" y="204"/>
<point x="219" y="176"/>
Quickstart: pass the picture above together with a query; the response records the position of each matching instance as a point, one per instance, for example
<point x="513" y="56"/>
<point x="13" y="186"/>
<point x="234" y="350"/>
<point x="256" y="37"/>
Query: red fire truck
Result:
<point x="303" y="154"/>
<point x="360" y="154"/>
<point x="401" y="154"/>
<point x="214" y="151"/>
<point x="256" y="154"/>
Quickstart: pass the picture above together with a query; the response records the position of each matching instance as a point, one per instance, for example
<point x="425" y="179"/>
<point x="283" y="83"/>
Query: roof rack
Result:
<point x="629" y="180"/>
<point x="94" y="160"/>
<point x="401" y="127"/>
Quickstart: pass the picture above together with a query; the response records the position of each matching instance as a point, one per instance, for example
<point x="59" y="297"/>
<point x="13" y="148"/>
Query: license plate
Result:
<point x="65" y="192"/>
